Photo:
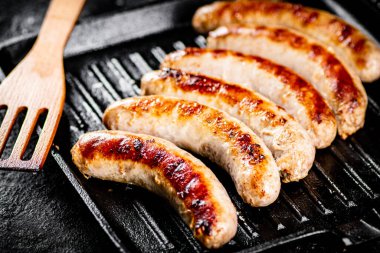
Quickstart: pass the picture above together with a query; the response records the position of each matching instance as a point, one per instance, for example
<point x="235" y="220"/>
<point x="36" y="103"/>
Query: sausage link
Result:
<point x="355" y="48"/>
<point x="340" y="87"/>
<point x="289" y="143"/>
<point x="208" y="132"/>
<point x="163" y="168"/>
<point x="281" y="85"/>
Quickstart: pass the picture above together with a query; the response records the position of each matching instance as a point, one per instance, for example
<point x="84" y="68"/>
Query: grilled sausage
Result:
<point x="353" y="46"/>
<point x="279" y="84"/>
<point x="289" y="143"/>
<point x="208" y="132"/>
<point x="165" y="169"/>
<point x="341" y="87"/>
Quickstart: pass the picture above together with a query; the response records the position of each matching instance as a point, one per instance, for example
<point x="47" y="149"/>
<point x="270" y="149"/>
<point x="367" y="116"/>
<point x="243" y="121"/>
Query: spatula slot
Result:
<point x="15" y="130"/>
<point x="35" y="135"/>
<point x="3" y="110"/>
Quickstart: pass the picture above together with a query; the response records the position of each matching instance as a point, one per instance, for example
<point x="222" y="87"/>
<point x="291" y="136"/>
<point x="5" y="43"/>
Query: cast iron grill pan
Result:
<point x="335" y="208"/>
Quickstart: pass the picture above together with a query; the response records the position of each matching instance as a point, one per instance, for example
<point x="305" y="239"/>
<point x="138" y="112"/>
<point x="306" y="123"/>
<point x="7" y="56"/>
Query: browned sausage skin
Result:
<point x="208" y="132"/>
<point x="278" y="83"/>
<point x="289" y="143"/>
<point x="163" y="168"/>
<point x="353" y="46"/>
<point x="340" y="87"/>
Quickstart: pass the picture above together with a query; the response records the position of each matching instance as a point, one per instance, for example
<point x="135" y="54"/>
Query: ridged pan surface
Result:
<point x="334" y="208"/>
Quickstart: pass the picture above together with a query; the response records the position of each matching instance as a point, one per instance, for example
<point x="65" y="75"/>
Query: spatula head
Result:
<point x="36" y="90"/>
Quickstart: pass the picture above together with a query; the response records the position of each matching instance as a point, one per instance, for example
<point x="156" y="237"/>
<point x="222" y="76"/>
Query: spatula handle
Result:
<point x="57" y="25"/>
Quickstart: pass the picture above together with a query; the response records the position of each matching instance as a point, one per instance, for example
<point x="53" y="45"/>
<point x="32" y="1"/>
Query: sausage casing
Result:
<point x="165" y="169"/>
<point x="340" y="87"/>
<point x="356" y="49"/>
<point x="208" y="132"/>
<point x="281" y="85"/>
<point x="289" y="143"/>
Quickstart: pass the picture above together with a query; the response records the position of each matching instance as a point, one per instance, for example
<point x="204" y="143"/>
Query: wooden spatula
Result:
<point x="37" y="84"/>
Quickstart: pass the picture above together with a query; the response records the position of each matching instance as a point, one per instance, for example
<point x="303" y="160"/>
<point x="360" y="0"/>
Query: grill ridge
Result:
<point x="97" y="88"/>
<point x="179" y="45"/>
<point x="158" y="53"/>
<point x="376" y="213"/>
<point x="79" y="123"/>
<point x="275" y="221"/>
<point x="185" y="231"/>
<point x="75" y="82"/>
<point x="130" y="82"/>
<point x="336" y="189"/>
<point x="124" y="85"/>
<point x="201" y="41"/>
<point x="373" y="106"/>
<point x="152" y="225"/>
<point x="351" y="173"/>
<point x="122" y="71"/>
<point x="316" y="198"/>
<point x="2" y="75"/>
<point x="355" y="146"/>
<point x="247" y="229"/>
<point x="140" y="63"/>
<point x="105" y="82"/>
<point x="296" y="211"/>
<point x="246" y="226"/>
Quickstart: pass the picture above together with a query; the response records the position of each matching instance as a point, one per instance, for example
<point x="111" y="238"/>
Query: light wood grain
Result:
<point x="38" y="84"/>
